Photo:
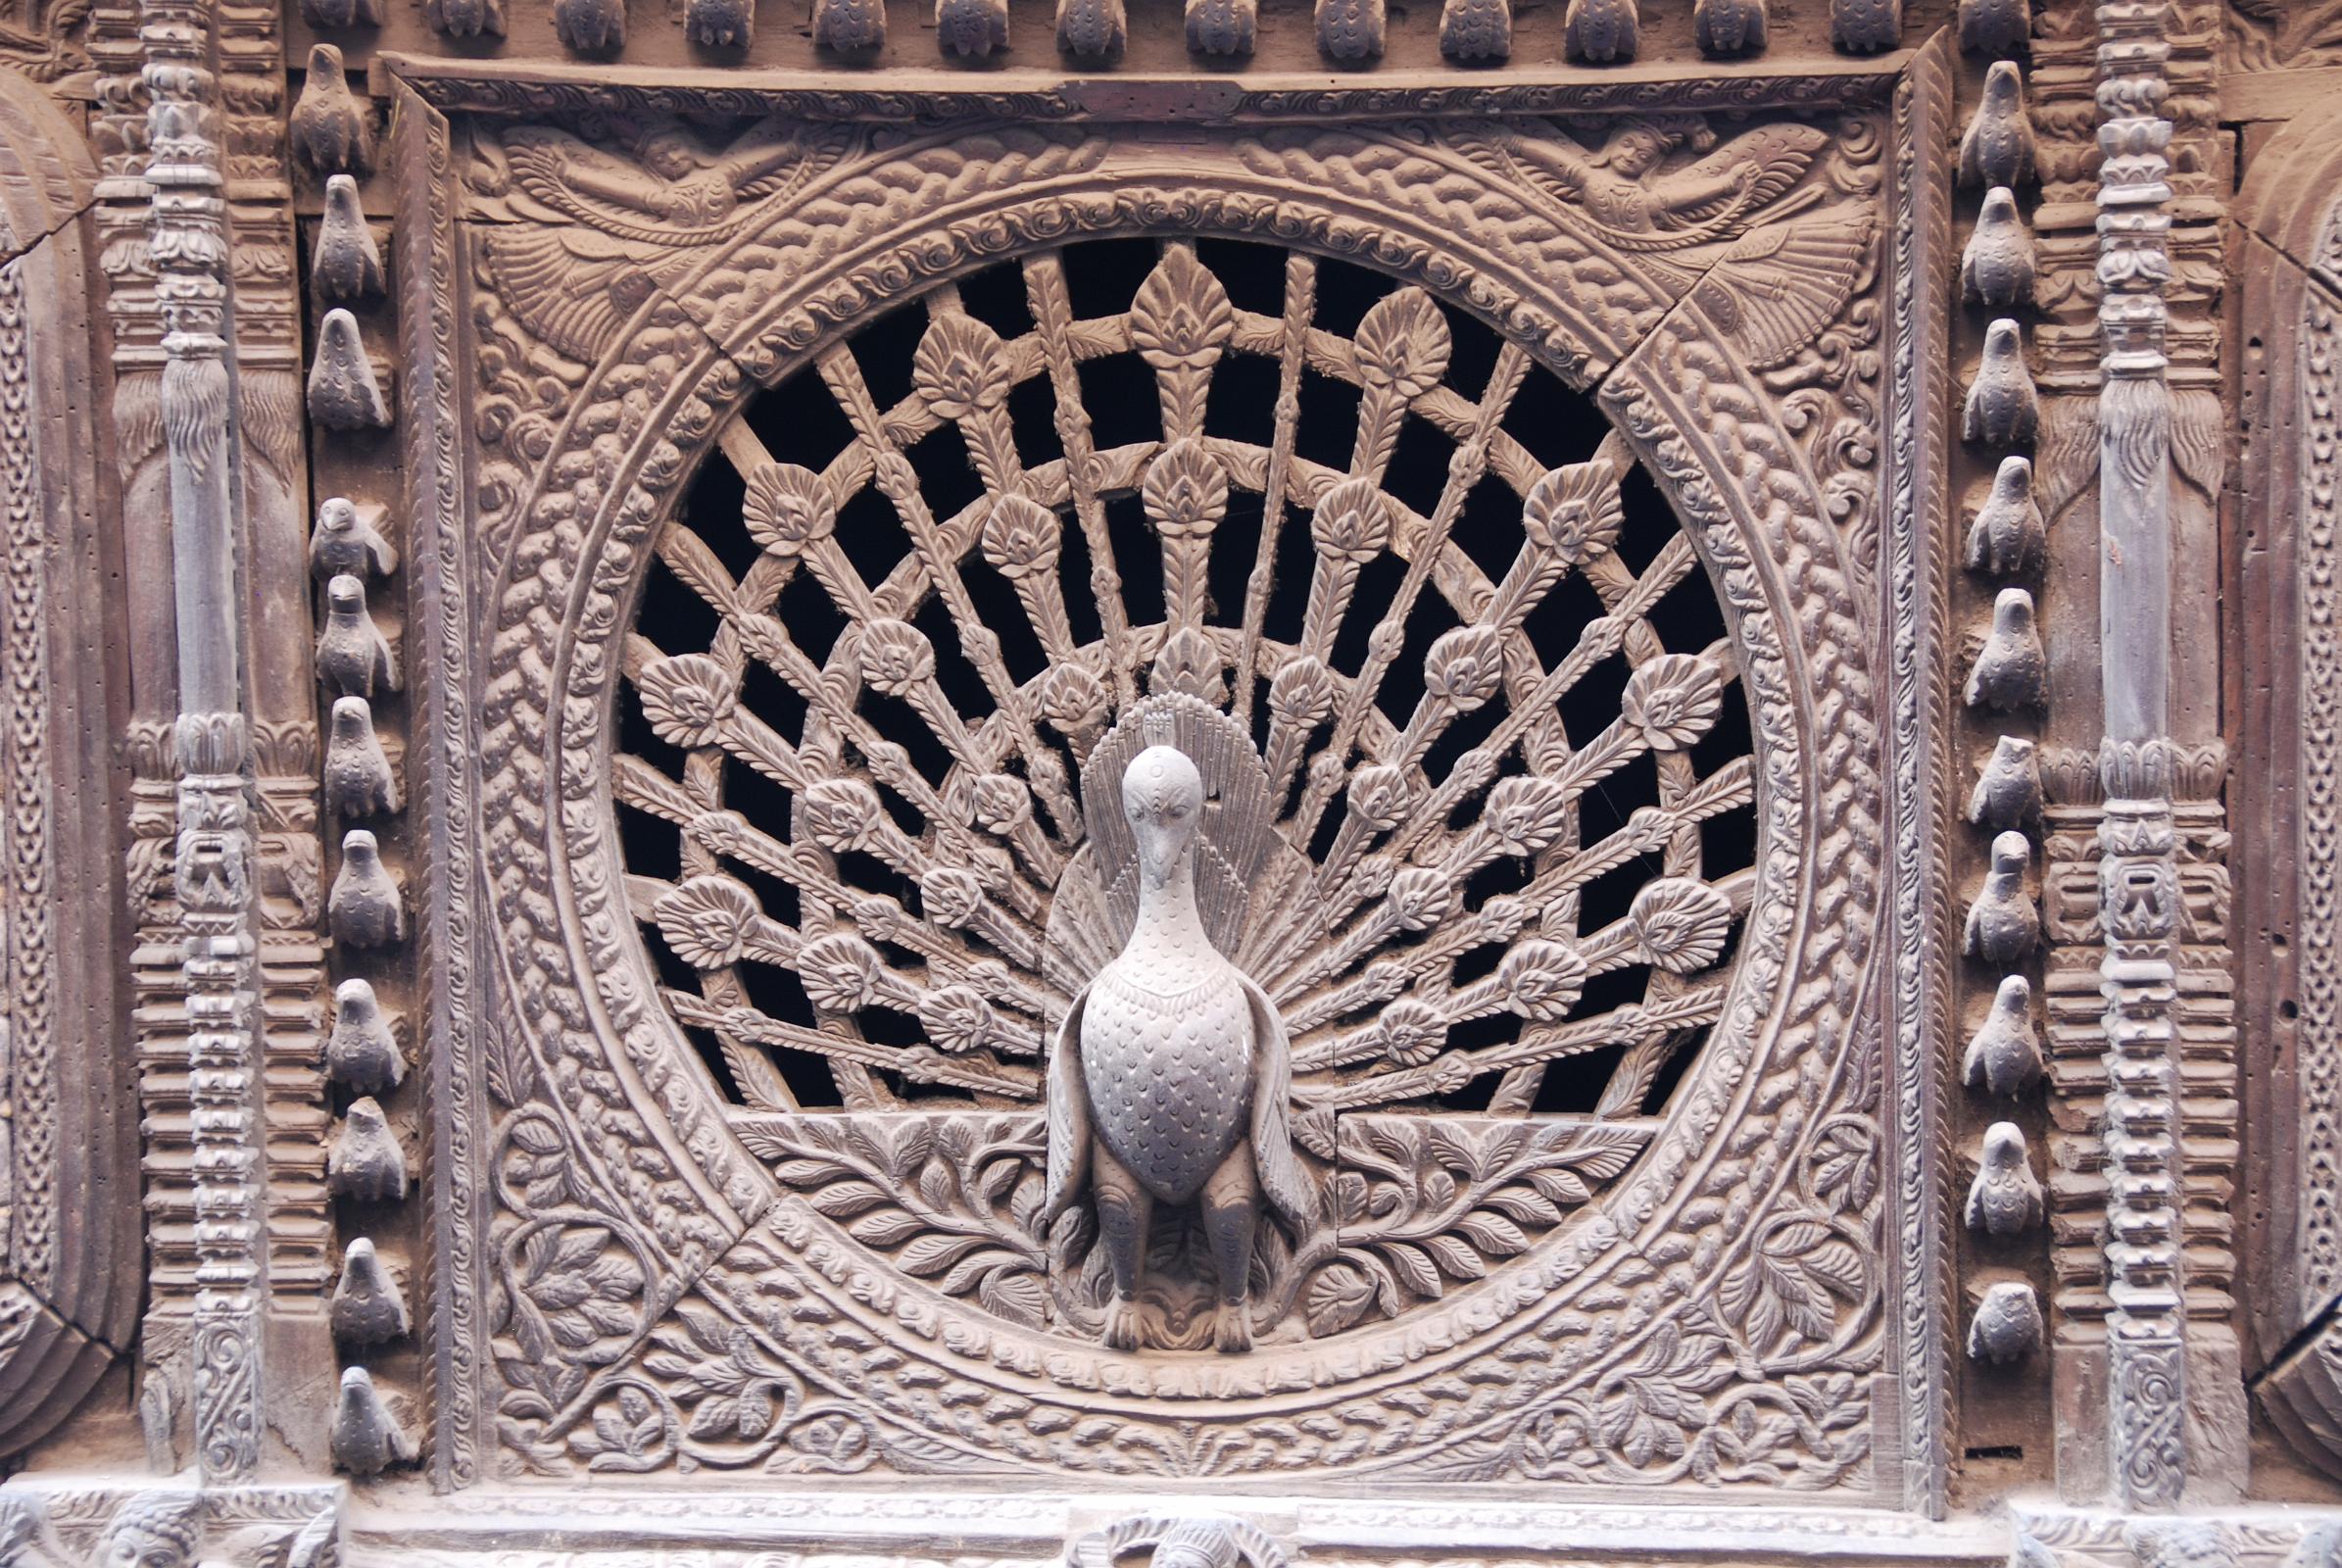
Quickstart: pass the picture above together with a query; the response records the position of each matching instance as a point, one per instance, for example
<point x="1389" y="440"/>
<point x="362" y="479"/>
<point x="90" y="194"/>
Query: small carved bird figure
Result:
<point x="2007" y="1327"/>
<point x="347" y="264"/>
<point x="2003" y="926"/>
<point x="357" y="780"/>
<point x="1997" y="266"/>
<point x="367" y="1307"/>
<point x="1169" y="1077"/>
<point x="2008" y="537"/>
<point x="2002" y="410"/>
<point x="1728" y="27"/>
<point x="328" y="128"/>
<point x="1997" y="148"/>
<point x="1601" y="30"/>
<point x="352" y="656"/>
<point x="2005" y="1199"/>
<point x="365" y="908"/>
<point x="2008" y="791"/>
<point x="343" y="543"/>
<point x="362" y="1055"/>
<point x="2003" y="1054"/>
<point x="1995" y="27"/>
<point x="590" y="26"/>
<point x="366" y="1438"/>
<point x="2010" y="667"/>
<point x="1865" y="26"/>
<point x="365" y="1162"/>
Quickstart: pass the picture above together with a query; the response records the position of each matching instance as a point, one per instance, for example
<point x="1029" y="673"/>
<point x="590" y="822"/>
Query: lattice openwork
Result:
<point x="1504" y="831"/>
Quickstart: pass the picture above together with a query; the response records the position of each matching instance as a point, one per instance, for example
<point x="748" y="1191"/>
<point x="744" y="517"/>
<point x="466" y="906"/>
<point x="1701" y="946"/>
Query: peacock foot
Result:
<point x="1122" y="1325"/>
<point x="1232" y="1328"/>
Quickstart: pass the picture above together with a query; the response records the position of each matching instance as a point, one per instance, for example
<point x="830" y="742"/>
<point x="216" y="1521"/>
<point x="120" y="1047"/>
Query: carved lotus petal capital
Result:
<point x="952" y="895"/>
<point x="1072" y="699"/>
<point x="1575" y="511"/>
<point x="1403" y="344"/>
<point x="1419" y="898"/>
<point x="1302" y="694"/>
<point x="1411" y="1032"/>
<point x="957" y="1019"/>
<point x="1380" y="796"/>
<point x="1180" y="318"/>
<point x="840" y="972"/>
<point x="843" y="815"/>
<point x="1526" y="813"/>
<point x="1001" y="804"/>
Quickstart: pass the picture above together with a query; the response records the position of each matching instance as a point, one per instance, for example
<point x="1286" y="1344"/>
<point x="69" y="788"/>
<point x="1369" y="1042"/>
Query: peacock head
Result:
<point x="1162" y="795"/>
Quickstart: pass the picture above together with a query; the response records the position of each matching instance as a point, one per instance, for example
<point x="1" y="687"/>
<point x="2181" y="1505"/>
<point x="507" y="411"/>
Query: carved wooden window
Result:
<point x="1495" y="507"/>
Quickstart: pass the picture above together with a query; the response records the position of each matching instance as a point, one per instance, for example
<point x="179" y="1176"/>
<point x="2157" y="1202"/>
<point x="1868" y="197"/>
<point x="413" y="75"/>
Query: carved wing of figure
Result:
<point x="704" y="205"/>
<point x="573" y="289"/>
<point x="1068" y="1115"/>
<point x="1779" y="287"/>
<point x="1281" y="1174"/>
<point x="1745" y="174"/>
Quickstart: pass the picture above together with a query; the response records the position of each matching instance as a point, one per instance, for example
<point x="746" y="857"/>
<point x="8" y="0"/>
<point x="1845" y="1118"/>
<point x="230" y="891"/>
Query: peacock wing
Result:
<point x="1069" y="1114"/>
<point x="1280" y="1171"/>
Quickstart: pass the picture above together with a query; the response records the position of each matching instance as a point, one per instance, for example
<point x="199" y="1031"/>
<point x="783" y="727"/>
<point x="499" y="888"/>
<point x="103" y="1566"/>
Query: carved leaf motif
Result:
<point x="1186" y="491"/>
<point x="1576" y="511"/>
<point x="1021" y="537"/>
<point x="788" y="508"/>
<point x="1181" y="318"/>
<point x="1673" y="700"/>
<point x="707" y="920"/>
<point x="1790" y="1285"/>
<point x="960" y="368"/>
<point x="686" y="698"/>
<point x="1403" y="344"/>
<point x="1465" y="667"/>
<point x="1682" y="924"/>
<point x="1353" y="523"/>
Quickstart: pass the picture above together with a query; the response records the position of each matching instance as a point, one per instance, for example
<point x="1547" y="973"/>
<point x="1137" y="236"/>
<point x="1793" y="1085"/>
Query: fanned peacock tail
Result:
<point x="1481" y="790"/>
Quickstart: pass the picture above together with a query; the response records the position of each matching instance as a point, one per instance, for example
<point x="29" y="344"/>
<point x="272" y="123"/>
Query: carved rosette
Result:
<point x="670" y="1280"/>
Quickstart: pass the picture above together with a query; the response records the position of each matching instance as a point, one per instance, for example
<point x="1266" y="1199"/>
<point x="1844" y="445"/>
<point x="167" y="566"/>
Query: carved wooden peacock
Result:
<point x="1450" y="792"/>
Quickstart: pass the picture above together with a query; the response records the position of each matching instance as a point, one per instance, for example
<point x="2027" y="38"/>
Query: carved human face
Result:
<point x="1162" y="795"/>
<point x="1636" y="154"/>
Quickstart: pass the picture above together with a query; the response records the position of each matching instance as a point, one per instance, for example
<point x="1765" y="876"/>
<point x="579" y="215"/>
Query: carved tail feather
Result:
<point x="1281" y="1174"/>
<point x="1068" y="1115"/>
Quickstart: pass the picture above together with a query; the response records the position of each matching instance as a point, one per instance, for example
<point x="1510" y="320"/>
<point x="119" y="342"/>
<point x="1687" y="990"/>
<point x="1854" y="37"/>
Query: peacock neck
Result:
<point x="1168" y="910"/>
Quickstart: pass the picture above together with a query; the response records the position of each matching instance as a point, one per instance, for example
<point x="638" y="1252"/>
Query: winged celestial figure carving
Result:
<point x="602" y="232"/>
<point x="1170" y="1074"/>
<point x="1641" y="206"/>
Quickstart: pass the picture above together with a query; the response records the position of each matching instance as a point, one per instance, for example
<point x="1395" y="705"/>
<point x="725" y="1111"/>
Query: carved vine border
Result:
<point x="627" y="452"/>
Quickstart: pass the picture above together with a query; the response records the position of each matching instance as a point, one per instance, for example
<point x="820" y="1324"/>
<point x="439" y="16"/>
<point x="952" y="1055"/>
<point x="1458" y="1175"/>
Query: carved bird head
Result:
<point x="1162" y="795"/>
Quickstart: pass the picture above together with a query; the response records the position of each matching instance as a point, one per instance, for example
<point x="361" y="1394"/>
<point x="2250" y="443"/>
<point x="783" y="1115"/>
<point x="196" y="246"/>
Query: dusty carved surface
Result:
<point x="772" y="959"/>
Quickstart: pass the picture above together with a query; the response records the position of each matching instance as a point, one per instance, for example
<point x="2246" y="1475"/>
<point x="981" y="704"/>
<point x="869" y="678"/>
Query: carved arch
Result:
<point x="69" y="1186"/>
<point x="2287" y="249"/>
<point x="573" y="489"/>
